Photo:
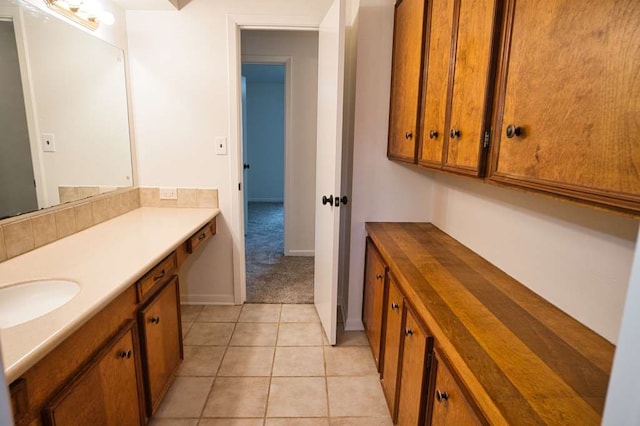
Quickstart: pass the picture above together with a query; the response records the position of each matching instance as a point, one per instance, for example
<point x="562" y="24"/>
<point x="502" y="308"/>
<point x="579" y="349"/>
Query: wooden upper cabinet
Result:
<point x="408" y="42"/>
<point x="459" y="83"/>
<point x="570" y="100"/>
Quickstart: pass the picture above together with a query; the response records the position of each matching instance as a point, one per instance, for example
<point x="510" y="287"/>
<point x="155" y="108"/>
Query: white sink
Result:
<point x="29" y="300"/>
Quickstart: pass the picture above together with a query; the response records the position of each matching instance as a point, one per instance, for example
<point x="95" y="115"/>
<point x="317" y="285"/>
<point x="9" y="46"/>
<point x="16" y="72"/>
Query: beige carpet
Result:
<point x="273" y="277"/>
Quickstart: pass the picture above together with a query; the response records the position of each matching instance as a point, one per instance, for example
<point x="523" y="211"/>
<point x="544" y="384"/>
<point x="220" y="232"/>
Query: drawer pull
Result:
<point x="125" y="354"/>
<point x="513" y="131"/>
<point x="441" y="396"/>
<point x="395" y="306"/>
<point x="202" y="236"/>
<point x="155" y="320"/>
<point x="161" y="276"/>
<point x="408" y="332"/>
<point x="433" y="134"/>
<point x="454" y="133"/>
<point x="408" y="135"/>
<point x="379" y="276"/>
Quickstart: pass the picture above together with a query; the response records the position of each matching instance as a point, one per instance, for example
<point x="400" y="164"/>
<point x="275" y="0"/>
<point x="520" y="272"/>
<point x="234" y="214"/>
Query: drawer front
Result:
<point x="450" y="407"/>
<point x="392" y="340"/>
<point x="201" y="236"/>
<point x="156" y="277"/>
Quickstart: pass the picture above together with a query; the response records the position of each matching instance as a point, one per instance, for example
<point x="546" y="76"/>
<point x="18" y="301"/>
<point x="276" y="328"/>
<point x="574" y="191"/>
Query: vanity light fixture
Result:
<point x="88" y="13"/>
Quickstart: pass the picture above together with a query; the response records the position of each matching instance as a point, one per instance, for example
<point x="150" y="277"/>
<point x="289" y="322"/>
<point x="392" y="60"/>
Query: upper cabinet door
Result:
<point x="473" y="43"/>
<point x="434" y="126"/>
<point x="570" y="92"/>
<point x="408" y="43"/>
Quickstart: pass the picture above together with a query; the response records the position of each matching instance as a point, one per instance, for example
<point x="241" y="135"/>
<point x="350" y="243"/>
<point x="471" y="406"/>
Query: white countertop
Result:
<point x="104" y="260"/>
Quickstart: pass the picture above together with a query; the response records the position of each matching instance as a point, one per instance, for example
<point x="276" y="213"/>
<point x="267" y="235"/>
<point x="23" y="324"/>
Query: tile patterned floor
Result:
<point x="271" y="365"/>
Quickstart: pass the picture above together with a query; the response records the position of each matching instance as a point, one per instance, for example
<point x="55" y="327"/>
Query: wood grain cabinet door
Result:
<point x="414" y="369"/>
<point x="372" y="309"/>
<point x="107" y="391"/>
<point x="408" y="44"/>
<point x="475" y="33"/>
<point x="392" y="341"/>
<point x="450" y="407"/>
<point x="161" y="343"/>
<point x="570" y="92"/>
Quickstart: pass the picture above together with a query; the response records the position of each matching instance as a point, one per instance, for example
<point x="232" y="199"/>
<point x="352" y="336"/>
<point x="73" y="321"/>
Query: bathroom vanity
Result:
<point x="109" y="355"/>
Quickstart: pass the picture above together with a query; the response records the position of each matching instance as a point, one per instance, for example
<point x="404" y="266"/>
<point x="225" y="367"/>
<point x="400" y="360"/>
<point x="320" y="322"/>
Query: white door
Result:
<point x="245" y="156"/>
<point x="328" y="164"/>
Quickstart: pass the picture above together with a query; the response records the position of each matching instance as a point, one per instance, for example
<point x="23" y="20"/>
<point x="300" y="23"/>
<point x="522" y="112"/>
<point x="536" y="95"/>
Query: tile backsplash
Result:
<point x="187" y="197"/>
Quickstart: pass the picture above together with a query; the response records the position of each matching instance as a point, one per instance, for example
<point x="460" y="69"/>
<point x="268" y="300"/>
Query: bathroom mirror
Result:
<point x="64" y="124"/>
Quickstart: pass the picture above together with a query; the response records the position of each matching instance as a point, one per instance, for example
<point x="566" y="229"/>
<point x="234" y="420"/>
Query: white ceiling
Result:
<point x="148" y="4"/>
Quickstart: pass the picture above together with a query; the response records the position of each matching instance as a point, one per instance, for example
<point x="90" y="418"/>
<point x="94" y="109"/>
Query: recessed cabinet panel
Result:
<point x="434" y="128"/>
<point x="393" y="338"/>
<point x="472" y="83"/>
<point x="408" y="41"/>
<point x="571" y="96"/>
<point x="374" y="281"/>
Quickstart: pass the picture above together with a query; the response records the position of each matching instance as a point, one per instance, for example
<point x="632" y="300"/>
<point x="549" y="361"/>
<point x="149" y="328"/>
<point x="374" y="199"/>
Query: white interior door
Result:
<point x="245" y="157"/>
<point x="328" y="164"/>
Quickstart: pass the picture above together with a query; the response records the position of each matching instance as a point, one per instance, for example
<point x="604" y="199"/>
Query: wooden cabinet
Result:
<point x="161" y="342"/>
<point x="569" y="100"/>
<point x="394" y="322"/>
<point x="107" y="391"/>
<point x="414" y="372"/>
<point x="450" y="406"/>
<point x="407" y="61"/>
<point x="456" y="103"/>
<point x="372" y="309"/>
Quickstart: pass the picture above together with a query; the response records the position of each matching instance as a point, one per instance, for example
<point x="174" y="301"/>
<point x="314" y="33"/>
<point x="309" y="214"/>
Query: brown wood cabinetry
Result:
<point x="161" y="342"/>
<point x="394" y="323"/>
<point x="569" y="96"/>
<point x="456" y="103"/>
<point x="107" y="391"/>
<point x="449" y="404"/>
<point x="406" y="74"/>
<point x="374" y="284"/>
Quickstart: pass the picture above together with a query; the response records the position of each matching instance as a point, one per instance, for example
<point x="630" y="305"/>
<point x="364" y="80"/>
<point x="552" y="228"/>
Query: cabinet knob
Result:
<point x="161" y="276"/>
<point x="454" y="133"/>
<point x="125" y="354"/>
<point x="433" y="134"/>
<point x="513" y="131"/>
<point x="202" y="236"/>
<point x="408" y="332"/>
<point x="379" y="276"/>
<point x="441" y="396"/>
<point x="395" y="306"/>
<point x="155" y="320"/>
<point x="408" y="135"/>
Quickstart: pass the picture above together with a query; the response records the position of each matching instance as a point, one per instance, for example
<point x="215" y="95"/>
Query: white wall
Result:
<point x="180" y="95"/>
<point x="300" y="156"/>
<point x="265" y="141"/>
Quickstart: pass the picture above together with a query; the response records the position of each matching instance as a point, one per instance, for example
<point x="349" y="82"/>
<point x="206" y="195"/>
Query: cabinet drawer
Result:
<point x="450" y="406"/>
<point x="165" y="269"/>
<point x="201" y="236"/>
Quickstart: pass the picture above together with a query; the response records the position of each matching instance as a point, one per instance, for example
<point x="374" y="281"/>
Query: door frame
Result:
<point x="236" y="23"/>
<point x="287" y="61"/>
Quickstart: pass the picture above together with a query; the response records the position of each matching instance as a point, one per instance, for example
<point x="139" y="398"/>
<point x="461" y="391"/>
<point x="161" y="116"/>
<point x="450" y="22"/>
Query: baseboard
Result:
<point x="266" y="200"/>
<point x="353" y="324"/>
<point x="207" y="299"/>
<point x="309" y="253"/>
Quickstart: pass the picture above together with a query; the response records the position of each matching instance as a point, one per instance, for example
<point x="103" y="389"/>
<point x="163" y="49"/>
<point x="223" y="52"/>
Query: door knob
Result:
<point x="455" y="133"/>
<point x="327" y="200"/>
<point x="246" y="166"/>
<point x="433" y="134"/>
<point x="513" y="131"/>
<point x="341" y="200"/>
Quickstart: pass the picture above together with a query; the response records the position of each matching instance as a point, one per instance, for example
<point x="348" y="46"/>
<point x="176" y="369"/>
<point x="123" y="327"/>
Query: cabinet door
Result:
<point x="450" y="407"/>
<point x="474" y="36"/>
<point x="392" y="341"/>
<point x="570" y="92"/>
<point x="374" y="280"/>
<point x="411" y="400"/>
<point x="434" y="107"/>
<point x="408" y="42"/>
<point x="106" y="392"/>
<point x="161" y="342"/>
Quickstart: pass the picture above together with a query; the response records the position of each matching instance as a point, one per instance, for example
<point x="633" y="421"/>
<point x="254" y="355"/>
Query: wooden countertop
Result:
<point x="104" y="260"/>
<point x="523" y="360"/>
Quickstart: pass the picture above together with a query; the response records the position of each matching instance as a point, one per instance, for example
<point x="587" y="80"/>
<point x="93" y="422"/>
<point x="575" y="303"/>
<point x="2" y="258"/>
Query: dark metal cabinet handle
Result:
<point x="454" y="133"/>
<point x="161" y="276"/>
<point x="125" y="354"/>
<point x="441" y="396"/>
<point x="513" y="131"/>
<point x="202" y="236"/>
<point x="155" y="320"/>
<point x="433" y="134"/>
<point x="408" y="332"/>
<point x="379" y="276"/>
<point x="408" y="135"/>
<point x="395" y="306"/>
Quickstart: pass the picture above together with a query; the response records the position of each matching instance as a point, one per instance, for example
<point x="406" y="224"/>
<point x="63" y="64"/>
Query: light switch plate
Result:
<point x="168" y="194"/>
<point x="221" y="145"/>
<point x="48" y="142"/>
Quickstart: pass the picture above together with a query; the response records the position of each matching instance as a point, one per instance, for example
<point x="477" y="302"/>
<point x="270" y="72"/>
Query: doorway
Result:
<point x="278" y="151"/>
